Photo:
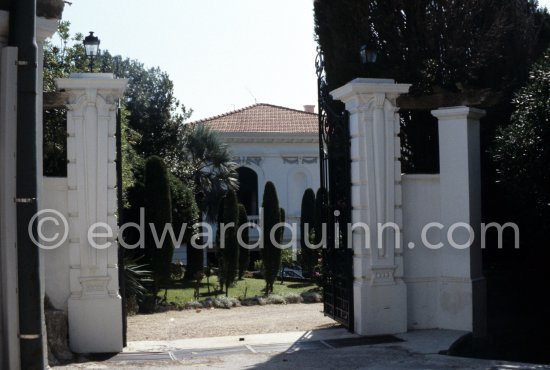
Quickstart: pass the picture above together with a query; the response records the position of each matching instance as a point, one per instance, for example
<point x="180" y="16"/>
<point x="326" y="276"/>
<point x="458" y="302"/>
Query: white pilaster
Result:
<point x="461" y="303"/>
<point x="380" y="297"/>
<point x="95" y="316"/>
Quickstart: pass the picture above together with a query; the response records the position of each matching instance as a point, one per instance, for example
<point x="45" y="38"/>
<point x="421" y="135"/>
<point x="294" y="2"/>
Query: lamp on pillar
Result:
<point x="91" y="47"/>
<point x="368" y="55"/>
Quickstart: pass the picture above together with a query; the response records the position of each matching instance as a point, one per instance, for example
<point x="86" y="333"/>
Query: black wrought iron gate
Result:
<point x="335" y="172"/>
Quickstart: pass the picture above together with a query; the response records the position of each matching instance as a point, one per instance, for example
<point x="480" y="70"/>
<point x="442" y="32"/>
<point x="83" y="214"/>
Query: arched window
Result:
<point x="248" y="190"/>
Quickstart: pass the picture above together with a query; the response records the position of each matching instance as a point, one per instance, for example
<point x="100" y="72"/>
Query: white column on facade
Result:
<point x="380" y="297"/>
<point x="461" y="303"/>
<point x="95" y="316"/>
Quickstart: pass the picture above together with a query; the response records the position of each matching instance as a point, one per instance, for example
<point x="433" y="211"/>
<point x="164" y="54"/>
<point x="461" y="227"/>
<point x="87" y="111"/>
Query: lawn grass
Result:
<point x="248" y="287"/>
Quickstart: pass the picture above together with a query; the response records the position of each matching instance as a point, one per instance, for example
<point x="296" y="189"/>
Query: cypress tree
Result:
<point x="158" y="212"/>
<point x="309" y="256"/>
<point x="231" y="247"/>
<point x="244" y="253"/>
<point x="271" y="255"/>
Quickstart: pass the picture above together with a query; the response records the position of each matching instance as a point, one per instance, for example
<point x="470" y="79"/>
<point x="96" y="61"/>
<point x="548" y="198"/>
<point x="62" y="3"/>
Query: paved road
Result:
<point x="220" y="322"/>
<point x="418" y="350"/>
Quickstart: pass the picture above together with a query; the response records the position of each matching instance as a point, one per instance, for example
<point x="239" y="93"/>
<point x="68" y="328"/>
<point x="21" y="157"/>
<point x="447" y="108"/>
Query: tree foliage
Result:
<point x="421" y="42"/>
<point x="185" y="211"/>
<point x="522" y="150"/>
<point x="231" y="245"/>
<point x="158" y="213"/>
<point x="440" y="47"/>
<point x="307" y="220"/>
<point x="152" y="119"/>
<point x="206" y="161"/>
<point x="271" y="255"/>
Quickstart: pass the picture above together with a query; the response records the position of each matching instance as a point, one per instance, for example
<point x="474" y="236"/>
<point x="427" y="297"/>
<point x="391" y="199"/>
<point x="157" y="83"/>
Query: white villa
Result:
<point x="271" y="143"/>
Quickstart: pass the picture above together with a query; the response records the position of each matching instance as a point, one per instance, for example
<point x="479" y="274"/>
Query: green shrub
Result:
<point x="311" y="297"/>
<point x="259" y="265"/>
<point x="193" y="305"/>
<point x="221" y="302"/>
<point x="276" y="299"/>
<point x="292" y="298"/>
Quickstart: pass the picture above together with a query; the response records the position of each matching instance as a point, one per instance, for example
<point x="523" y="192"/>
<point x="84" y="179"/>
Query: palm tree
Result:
<point x="207" y="162"/>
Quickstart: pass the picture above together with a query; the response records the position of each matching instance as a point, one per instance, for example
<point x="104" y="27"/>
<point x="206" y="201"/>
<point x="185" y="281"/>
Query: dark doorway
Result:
<point x="248" y="190"/>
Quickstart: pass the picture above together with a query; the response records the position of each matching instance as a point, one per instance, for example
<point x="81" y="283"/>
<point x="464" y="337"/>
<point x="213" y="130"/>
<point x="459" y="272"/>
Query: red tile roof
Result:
<point x="264" y="118"/>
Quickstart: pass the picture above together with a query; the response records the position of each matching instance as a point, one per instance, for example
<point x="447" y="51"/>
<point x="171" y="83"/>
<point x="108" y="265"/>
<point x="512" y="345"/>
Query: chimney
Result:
<point x="309" y="108"/>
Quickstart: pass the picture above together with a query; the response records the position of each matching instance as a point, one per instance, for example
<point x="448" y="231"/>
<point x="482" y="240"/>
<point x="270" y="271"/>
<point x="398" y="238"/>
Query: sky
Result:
<point x="222" y="55"/>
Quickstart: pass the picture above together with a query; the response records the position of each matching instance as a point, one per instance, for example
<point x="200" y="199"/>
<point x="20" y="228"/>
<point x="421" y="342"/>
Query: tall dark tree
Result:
<point x="206" y="161"/>
<point x="307" y="220"/>
<point x="486" y="56"/>
<point x="158" y="213"/>
<point x="244" y="253"/>
<point x="522" y="154"/>
<point x="153" y="111"/>
<point x="230" y="247"/>
<point x="271" y="255"/>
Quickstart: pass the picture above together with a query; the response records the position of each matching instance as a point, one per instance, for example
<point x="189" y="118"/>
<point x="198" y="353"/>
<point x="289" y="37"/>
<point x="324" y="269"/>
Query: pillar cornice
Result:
<point x="453" y="113"/>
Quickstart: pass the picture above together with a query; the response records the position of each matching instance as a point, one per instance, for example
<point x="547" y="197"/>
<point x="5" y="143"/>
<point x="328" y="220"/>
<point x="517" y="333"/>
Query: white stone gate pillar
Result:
<point x="94" y="307"/>
<point x="380" y="296"/>
<point x="462" y="292"/>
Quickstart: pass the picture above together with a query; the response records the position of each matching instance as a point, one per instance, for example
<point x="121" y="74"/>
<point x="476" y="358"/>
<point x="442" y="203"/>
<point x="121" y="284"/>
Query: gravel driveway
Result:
<point x="219" y="322"/>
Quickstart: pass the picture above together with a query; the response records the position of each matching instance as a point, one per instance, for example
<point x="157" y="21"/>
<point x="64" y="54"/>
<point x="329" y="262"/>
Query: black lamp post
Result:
<point x="368" y="55"/>
<point x="91" y="47"/>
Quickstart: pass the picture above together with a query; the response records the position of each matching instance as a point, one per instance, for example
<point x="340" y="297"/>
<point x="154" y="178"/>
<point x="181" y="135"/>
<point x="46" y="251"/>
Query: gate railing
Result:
<point x="335" y="176"/>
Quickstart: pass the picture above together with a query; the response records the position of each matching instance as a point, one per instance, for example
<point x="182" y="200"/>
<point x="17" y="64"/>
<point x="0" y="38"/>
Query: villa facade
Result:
<point x="277" y="144"/>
